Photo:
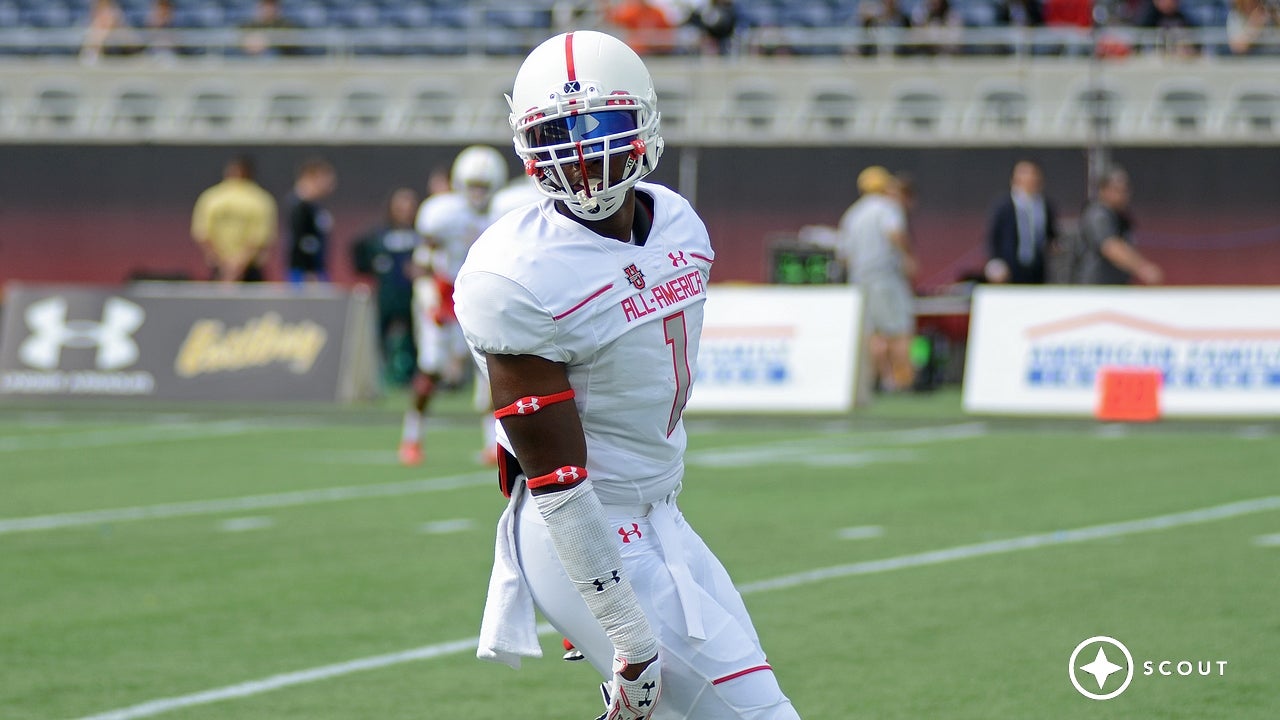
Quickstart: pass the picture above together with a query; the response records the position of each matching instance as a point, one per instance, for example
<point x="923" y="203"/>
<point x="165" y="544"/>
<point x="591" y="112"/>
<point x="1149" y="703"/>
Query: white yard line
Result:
<point x="307" y="497"/>
<point x="446" y="527"/>
<point x="935" y="557"/>
<point x="862" y="532"/>
<point x="76" y="440"/>
<point x="1267" y="540"/>
<point x="248" y="502"/>
<point x="1026" y="542"/>
<point x="814" y="450"/>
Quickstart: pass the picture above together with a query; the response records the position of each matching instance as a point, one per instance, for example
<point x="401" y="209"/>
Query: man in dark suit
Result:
<point x="1022" y="229"/>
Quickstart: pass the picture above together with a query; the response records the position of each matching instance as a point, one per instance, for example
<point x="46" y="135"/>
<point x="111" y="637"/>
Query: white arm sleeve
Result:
<point x="578" y="527"/>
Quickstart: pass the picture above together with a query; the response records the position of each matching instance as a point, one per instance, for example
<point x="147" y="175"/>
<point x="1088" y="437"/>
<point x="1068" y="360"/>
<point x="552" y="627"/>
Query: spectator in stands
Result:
<point x="645" y="26"/>
<point x="160" y="41"/>
<point x="1022" y="230"/>
<point x="234" y="223"/>
<point x="1246" y="22"/>
<point x="1069" y="13"/>
<point x="884" y="21"/>
<point x="385" y="252"/>
<point x="257" y="40"/>
<point x="106" y="31"/>
<point x="569" y="15"/>
<point x="1173" y="25"/>
<point x="1020" y="13"/>
<point x="873" y="241"/>
<point x="718" y="21"/>
<point x="940" y="25"/>
<point x="1108" y="253"/>
<point x="310" y="224"/>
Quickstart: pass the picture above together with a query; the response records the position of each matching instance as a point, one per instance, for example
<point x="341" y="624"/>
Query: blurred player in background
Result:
<point x="585" y="313"/>
<point x="234" y="223"/>
<point x="310" y="224"/>
<point x="1109" y="256"/>
<point x="874" y="242"/>
<point x="521" y="191"/>
<point x="448" y="223"/>
<point x="385" y="252"/>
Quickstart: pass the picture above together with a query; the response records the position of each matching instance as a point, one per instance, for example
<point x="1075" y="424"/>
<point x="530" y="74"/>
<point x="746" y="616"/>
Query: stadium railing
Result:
<point x="978" y="87"/>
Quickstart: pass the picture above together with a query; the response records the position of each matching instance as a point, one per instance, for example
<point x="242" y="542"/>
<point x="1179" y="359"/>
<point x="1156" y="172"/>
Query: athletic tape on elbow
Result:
<point x="578" y="527"/>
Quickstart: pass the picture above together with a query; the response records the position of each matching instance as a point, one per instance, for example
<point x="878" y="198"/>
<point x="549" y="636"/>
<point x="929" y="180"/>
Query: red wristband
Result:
<point x="533" y="403"/>
<point x="567" y="475"/>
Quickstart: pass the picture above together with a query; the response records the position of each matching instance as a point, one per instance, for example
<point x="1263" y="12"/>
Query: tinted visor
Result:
<point x="578" y="128"/>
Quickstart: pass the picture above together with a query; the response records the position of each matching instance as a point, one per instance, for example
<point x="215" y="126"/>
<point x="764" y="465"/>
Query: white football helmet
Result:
<point x="580" y="97"/>
<point x="478" y="172"/>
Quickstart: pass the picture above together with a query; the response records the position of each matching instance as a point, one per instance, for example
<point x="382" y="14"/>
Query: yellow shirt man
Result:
<point x="234" y="222"/>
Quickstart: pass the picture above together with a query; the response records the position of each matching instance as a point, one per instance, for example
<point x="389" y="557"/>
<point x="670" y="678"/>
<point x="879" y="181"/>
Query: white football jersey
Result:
<point x="625" y="319"/>
<point x="454" y="225"/>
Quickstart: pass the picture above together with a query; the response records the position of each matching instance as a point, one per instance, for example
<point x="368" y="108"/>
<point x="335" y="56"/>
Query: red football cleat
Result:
<point x="410" y="453"/>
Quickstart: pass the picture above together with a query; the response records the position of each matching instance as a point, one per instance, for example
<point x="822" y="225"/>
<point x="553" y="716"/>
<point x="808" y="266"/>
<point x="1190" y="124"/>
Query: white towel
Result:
<point x="508" y="630"/>
<point x="663" y="518"/>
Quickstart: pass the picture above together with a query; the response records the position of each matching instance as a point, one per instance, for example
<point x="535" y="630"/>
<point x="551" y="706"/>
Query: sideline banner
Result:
<point x="1040" y="349"/>
<point x="773" y="348"/>
<point x="187" y="341"/>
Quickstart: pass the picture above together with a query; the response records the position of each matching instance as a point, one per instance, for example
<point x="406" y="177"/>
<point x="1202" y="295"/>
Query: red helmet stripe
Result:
<point x="568" y="57"/>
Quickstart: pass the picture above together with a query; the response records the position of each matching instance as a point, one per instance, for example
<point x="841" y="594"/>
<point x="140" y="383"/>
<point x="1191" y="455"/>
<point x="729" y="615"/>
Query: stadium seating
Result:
<point x="358" y="71"/>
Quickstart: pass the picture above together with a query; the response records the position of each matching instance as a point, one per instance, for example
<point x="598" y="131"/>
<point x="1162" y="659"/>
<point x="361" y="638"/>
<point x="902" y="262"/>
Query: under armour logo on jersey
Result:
<point x="572" y="86"/>
<point x="677" y="259"/>
<point x="634" y="276"/>
<point x="52" y="331"/>
<point x="600" y="584"/>
<point x="626" y="534"/>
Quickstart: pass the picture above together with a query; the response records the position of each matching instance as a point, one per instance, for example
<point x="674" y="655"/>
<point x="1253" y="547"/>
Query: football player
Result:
<point x="449" y="223"/>
<point x="585" y="311"/>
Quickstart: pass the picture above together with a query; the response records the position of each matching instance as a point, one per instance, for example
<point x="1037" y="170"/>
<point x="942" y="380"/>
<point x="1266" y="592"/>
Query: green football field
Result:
<point x="904" y="562"/>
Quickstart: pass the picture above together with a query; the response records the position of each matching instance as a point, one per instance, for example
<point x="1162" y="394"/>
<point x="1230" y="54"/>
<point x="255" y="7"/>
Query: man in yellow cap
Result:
<point x="874" y="244"/>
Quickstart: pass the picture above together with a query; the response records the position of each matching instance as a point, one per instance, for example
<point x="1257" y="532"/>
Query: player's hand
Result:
<point x="636" y="698"/>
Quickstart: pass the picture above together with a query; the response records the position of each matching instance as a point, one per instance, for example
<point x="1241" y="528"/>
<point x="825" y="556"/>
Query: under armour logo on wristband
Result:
<point x="600" y="584"/>
<point x="527" y="405"/>
<point x="567" y="474"/>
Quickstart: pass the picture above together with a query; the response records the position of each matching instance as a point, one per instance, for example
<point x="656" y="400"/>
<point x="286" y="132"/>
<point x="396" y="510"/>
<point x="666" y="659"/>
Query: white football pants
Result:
<point x="680" y="585"/>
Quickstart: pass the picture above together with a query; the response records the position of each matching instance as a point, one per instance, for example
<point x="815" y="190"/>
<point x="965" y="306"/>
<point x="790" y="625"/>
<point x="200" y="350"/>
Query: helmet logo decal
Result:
<point x="572" y="86"/>
<point x="634" y="276"/>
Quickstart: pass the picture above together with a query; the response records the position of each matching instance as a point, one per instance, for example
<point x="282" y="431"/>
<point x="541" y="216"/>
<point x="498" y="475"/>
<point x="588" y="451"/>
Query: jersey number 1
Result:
<point x="677" y="335"/>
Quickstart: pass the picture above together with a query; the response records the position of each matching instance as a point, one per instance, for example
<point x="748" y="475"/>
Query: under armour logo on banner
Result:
<point x="626" y="534"/>
<point x="600" y="584"/>
<point x="572" y="86"/>
<point x="677" y="259"/>
<point x="51" y="331"/>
